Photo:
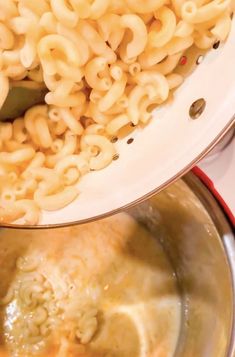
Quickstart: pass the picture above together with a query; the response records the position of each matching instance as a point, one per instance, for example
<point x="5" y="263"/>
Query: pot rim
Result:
<point x="227" y="237"/>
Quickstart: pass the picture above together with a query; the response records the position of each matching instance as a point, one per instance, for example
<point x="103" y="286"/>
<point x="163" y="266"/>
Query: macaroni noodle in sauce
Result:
<point x="96" y="290"/>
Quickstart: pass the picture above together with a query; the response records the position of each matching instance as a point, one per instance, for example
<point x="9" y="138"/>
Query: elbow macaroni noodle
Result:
<point x="106" y="65"/>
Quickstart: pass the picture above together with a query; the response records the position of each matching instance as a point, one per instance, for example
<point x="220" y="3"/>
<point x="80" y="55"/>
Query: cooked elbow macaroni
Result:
<point x="106" y="65"/>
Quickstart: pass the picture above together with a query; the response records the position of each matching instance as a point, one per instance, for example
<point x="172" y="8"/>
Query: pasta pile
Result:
<point x="106" y="64"/>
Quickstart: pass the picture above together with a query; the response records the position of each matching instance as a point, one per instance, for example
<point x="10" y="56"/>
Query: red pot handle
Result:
<point x="210" y="185"/>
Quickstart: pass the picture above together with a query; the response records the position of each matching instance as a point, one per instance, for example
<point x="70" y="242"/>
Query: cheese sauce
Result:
<point x="104" y="289"/>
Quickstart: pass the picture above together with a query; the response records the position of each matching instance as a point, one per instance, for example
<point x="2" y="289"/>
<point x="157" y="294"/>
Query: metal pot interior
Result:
<point x="199" y="246"/>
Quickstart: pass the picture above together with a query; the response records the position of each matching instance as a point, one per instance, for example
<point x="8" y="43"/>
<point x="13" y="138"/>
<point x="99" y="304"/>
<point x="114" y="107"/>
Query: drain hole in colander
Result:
<point x="114" y="139"/>
<point x="216" y="45"/>
<point x="197" y="108"/>
<point x="199" y="59"/>
<point x="116" y="157"/>
<point x="130" y="141"/>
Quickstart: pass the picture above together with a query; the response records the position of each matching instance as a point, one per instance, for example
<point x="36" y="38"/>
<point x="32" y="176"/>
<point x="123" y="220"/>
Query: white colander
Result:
<point x="166" y="148"/>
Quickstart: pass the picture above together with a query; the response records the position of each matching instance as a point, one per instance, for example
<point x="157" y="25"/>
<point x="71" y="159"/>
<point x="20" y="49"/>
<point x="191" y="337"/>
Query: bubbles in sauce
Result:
<point x="105" y="289"/>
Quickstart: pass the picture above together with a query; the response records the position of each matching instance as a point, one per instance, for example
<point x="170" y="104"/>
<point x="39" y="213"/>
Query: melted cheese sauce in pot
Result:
<point x="105" y="289"/>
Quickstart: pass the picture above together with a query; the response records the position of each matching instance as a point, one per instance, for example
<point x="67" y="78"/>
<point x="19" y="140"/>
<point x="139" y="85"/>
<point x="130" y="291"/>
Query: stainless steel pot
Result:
<point x="201" y="246"/>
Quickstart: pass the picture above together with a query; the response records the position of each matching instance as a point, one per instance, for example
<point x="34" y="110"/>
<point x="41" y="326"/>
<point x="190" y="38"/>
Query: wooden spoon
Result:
<point x="22" y="96"/>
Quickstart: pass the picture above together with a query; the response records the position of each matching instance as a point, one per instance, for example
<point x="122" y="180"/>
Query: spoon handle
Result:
<point x="22" y="96"/>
